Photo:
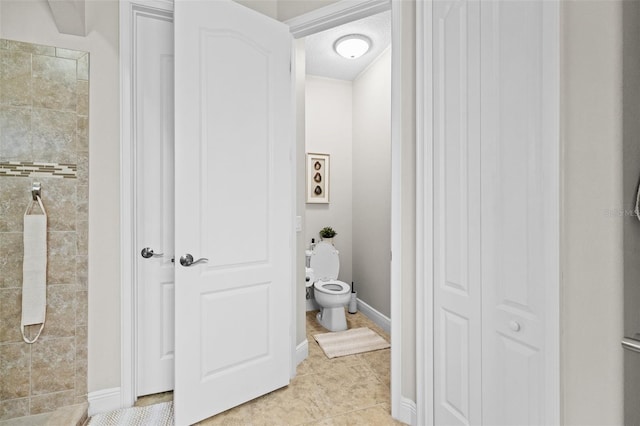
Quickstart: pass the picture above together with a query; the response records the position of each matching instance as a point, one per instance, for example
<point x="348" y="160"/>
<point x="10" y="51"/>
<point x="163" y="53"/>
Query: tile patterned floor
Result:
<point x="351" y="390"/>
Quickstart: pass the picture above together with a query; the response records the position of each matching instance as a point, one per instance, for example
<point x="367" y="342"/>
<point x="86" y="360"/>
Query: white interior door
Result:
<point x="520" y="213"/>
<point x="234" y="206"/>
<point x="457" y="274"/>
<point x="153" y="127"/>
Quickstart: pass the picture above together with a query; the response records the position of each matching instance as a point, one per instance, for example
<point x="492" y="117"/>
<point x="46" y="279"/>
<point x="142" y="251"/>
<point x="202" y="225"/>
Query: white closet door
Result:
<point x="520" y="188"/>
<point x="456" y="135"/>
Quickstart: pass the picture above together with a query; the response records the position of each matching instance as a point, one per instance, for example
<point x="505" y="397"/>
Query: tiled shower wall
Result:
<point x="44" y="99"/>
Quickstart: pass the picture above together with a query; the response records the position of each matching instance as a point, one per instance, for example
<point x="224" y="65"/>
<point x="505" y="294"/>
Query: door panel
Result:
<point x="234" y="194"/>
<point x="154" y="136"/>
<point x="519" y="244"/>
<point x="456" y="219"/>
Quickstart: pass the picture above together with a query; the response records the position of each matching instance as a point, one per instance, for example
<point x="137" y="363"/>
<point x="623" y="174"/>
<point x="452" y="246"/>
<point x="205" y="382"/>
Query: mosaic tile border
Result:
<point x="33" y="169"/>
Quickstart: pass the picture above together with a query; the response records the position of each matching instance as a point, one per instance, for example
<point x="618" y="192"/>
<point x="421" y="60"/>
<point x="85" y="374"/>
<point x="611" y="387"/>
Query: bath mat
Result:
<point x="151" y="415"/>
<point x="350" y="342"/>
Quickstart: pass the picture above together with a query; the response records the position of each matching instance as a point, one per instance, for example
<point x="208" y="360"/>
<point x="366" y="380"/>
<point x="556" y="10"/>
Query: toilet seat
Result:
<point x="332" y="287"/>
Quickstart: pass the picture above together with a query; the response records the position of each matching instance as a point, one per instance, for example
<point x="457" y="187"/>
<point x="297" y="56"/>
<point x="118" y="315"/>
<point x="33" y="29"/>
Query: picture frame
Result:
<point x="318" y="178"/>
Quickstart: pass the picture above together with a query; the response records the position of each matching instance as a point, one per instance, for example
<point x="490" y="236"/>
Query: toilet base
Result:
<point x="333" y="319"/>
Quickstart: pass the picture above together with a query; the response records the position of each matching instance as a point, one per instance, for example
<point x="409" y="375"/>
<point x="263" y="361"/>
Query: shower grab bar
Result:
<point x="631" y="344"/>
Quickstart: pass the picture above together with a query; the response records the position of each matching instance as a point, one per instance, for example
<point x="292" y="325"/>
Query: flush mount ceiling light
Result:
<point x="352" y="46"/>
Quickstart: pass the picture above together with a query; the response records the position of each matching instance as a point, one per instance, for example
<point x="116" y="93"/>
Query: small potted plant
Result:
<point x="327" y="233"/>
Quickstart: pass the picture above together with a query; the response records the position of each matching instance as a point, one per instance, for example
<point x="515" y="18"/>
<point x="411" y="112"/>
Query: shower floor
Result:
<point x="73" y="415"/>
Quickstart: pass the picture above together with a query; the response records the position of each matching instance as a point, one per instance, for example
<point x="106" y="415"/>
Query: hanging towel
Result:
<point x="34" y="270"/>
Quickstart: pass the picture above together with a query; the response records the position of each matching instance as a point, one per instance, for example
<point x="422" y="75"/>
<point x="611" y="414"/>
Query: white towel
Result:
<point x="34" y="270"/>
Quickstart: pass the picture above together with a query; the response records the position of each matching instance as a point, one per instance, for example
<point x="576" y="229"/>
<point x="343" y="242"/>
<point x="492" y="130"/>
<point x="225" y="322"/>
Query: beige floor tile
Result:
<point x="376" y="415"/>
<point x="350" y="390"/>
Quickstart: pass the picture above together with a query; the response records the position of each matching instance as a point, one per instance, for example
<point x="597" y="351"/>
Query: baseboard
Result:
<point x="408" y="411"/>
<point x="302" y="351"/>
<point x="379" y="319"/>
<point x="104" y="400"/>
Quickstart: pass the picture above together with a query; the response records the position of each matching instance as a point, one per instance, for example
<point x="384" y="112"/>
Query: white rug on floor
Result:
<point x="156" y="415"/>
<point x="349" y="342"/>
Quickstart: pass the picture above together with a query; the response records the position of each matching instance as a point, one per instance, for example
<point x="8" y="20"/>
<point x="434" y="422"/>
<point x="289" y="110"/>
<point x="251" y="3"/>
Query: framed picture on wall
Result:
<point x="318" y="178"/>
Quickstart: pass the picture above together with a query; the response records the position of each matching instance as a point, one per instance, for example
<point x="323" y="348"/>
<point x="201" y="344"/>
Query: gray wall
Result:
<point x="372" y="183"/>
<point x="631" y="225"/>
<point x="592" y="231"/>
<point x="329" y="131"/>
<point x="405" y="49"/>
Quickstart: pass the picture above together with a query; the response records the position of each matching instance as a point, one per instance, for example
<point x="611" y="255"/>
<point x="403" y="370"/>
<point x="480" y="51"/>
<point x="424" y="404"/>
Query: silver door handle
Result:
<point x="187" y="260"/>
<point x="631" y="344"/>
<point x="147" y="252"/>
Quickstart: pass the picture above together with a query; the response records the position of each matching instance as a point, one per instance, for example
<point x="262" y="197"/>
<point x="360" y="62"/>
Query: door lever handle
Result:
<point x="147" y="252"/>
<point x="187" y="260"/>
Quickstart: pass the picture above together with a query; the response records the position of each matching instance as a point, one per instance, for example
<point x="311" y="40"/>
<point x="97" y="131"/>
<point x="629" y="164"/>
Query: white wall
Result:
<point x="592" y="240"/>
<point x="329" y="131"/>
<point x="372" y="183"/>
<point x="31" y="21"/>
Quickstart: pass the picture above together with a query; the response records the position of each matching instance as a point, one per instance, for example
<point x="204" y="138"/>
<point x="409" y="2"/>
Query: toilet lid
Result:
<point x="325" y="261"/>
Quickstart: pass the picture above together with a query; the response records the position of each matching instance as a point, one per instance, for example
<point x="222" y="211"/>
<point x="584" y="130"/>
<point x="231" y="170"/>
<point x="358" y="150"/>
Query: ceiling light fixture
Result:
<point x="352" y="46"/>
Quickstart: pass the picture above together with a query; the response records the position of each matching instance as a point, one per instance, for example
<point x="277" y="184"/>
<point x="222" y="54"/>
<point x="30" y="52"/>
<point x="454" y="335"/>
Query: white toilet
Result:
<point x="332" y="295"/>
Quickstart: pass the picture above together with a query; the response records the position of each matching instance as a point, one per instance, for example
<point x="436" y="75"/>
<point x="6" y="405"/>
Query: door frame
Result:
<point x="328" y="17"/>
<point x="309" y="23"/>
<point x="129" y="10"/>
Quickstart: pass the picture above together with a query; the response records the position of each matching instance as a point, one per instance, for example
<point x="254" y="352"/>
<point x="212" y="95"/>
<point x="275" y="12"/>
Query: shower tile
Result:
<point x="15" y="360"/>
<point x="61" y="311"/>
<point x="15" y="131"/>
<point x="82" y="141"/>
<point x="81" y="308"/>
<point x="83" y="168"/>
<point x="37" y="49"/>
<point x="10" y="314"/>
<point x="61" y="258"/>
<point x="14" y="193"/>
<point x="53" y="136"/>
<point x="59" y="198"/>
<point x="54" y="83"/>
<point x="82" y="204"/>
<point x="82" y="89"/>
<point x="53" y="366"/>
<point x="81" y="361"/>
<point x="15" y="78"/>
<point x="14" y="408"/>
<point x="69" y="54"/>
<point x="83" y="68"/>
<point x="83" y="238"/>
<point x="82" y="273"/>
<point x="11" y="253"/>
<point x="51" y="402"/>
